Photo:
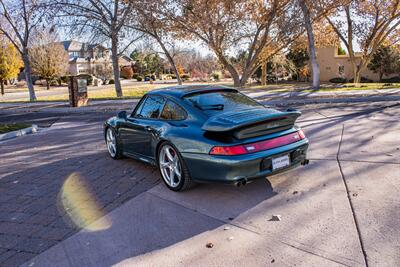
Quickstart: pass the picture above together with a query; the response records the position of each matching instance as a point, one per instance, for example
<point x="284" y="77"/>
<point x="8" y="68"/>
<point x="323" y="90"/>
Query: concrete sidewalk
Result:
<point x="342" y="209"/>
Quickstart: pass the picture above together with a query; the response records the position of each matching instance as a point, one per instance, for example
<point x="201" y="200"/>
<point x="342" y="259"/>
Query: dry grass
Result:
<point x="138" y="90"/>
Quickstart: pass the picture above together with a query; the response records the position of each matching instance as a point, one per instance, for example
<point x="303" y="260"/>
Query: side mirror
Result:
<point x="122" y="115"/>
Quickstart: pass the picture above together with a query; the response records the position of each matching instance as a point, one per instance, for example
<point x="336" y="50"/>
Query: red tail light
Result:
<point x="258" y="146"/>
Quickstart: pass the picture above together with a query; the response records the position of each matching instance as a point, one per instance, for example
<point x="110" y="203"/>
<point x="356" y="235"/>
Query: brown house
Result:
<point x="333" y="65"/>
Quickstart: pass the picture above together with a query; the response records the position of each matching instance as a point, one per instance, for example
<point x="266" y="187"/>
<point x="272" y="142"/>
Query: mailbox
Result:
<point x="77" y="88"/>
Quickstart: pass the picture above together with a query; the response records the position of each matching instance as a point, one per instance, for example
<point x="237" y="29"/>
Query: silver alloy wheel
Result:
<point x="170" y="166"/>
<point x="111" y="142"/>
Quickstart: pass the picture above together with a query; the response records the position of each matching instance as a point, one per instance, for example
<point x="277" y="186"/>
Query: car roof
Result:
<point x="182" y="90"/>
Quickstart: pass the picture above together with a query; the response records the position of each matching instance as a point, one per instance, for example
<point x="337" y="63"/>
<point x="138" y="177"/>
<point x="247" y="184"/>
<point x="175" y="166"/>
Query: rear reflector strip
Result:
<point x="258" y="146"/>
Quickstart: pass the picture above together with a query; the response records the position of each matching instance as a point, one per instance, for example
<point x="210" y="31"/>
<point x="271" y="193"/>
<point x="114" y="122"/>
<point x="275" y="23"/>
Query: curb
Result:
<point x="14" y="134"/>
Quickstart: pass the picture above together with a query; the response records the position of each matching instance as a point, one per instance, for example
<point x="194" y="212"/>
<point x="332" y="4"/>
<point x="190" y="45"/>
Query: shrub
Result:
<point x="139" y="78"/>
<point x="135" y="75"/>
<point x="392" y="80"/>
<point x="127" y="72"/>
<point x="111" y="81"/>
<point x="215" y="76"/>
<point x="363" y="80"/>
<point x="185" y="77"/>
<point x="173" y="76"/>
<point x="64" y="79"/>
<point x="338" y="80"/>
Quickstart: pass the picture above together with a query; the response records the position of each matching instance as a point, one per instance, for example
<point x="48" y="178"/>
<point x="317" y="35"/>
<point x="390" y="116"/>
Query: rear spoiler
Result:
<point x="270" y="118"/>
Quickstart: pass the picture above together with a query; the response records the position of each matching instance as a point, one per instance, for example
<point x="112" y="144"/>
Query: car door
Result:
<point x="138" y="131"/>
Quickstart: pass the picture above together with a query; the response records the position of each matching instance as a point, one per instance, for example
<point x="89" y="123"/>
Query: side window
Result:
<point x="172" y="111"/>
<point x="138" y="108"/>
<point x="151" y="108"/>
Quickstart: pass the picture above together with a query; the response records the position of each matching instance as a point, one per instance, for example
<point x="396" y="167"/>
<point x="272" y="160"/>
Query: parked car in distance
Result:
<point x="207" y="134"/>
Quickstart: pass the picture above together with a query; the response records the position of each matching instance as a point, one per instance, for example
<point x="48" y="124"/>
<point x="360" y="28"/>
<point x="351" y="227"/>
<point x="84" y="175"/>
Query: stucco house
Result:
<point x="333" y="65"/>
<point x="83" y="57"/>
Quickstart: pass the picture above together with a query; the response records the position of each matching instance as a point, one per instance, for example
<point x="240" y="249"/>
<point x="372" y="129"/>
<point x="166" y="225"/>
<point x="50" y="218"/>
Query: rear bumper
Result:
<point x="231" y="169"/>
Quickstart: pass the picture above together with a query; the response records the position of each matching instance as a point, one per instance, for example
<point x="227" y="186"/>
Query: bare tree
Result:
<point x="229" y="26"/>
<point x="313" y="12"/>
<point x="104" y="18"/>
<point x="18" y="20"/>
<point x="197" y="64"/>
<point x="146" y="18"/>
<point x="48" y="58"/>
<point x="103" y="70"/>
<point x="369" y="23"/>
<point x="311" y="43"/>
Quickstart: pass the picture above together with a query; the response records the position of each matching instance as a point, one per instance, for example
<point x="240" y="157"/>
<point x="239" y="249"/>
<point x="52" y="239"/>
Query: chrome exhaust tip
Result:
<point x="240" y="182"/>
<point x="305" y="162"/>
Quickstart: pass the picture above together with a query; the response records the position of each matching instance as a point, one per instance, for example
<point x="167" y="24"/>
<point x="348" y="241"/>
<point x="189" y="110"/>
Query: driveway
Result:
<point x="64" y="202"/>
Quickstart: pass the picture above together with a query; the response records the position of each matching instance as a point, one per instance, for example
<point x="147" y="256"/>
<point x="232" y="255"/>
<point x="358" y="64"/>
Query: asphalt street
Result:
<point x="64" y="202"/>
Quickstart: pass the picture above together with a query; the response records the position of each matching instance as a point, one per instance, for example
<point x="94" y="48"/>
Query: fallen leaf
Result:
<point x="209" y="245"/>
<point x="275" y="218"/>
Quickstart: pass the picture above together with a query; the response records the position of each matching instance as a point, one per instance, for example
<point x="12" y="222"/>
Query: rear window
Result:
<point x="221" y="101"/>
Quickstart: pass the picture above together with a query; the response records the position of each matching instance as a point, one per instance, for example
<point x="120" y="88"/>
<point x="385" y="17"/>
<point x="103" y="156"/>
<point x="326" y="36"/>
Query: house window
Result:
<point x="74" y="54"/>
<point x="341" y="70"/>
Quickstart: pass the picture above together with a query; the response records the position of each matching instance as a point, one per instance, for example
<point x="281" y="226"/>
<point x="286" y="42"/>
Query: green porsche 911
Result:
<point x="207" y="134"/>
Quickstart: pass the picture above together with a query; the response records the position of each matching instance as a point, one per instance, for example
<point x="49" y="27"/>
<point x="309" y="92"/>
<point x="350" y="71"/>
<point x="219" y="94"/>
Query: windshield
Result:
<point x="214" y="102"/>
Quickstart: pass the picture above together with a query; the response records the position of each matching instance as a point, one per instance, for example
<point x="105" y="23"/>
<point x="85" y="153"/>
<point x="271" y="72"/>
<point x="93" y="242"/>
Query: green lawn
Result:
<point x="5" y="128"/>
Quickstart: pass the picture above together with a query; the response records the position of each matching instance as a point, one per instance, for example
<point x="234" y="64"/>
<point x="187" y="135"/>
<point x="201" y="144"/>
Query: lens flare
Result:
<point x="81" y="206"/>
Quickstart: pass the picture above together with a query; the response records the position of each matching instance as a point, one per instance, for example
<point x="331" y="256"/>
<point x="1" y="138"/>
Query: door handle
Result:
<point x="148" y="128"/>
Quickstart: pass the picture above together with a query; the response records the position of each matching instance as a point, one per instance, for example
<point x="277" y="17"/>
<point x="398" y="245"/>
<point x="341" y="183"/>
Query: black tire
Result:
<point x="186" y="181"/>
<point x="118" y="150"/>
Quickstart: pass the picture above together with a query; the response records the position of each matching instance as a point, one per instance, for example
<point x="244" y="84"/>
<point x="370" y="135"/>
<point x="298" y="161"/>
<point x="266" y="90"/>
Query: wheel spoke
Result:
<point x="164" y="164"/>
<point x="169" y="155"/>
<point x="177" y="172"/>
<point x="108" y="136"/>
<point x="172" y="177"/>
<point x="111" y="142"/>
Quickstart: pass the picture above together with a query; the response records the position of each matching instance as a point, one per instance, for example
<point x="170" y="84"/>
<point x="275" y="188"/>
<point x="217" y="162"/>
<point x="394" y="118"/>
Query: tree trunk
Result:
<point x="170" y="60"/>
<point x="244" y="78"/>
<point x="357" y="75"/>
<point x="229" y="68"/>
<point x="2" y="87"/>
<point x="28" y="75"/>
<point x="47" y="84"/>
<point x="380" y="76"/>
<point x="114" y="57"/>
<point x="264" y="74"/>
<point x="311" y="44"/>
